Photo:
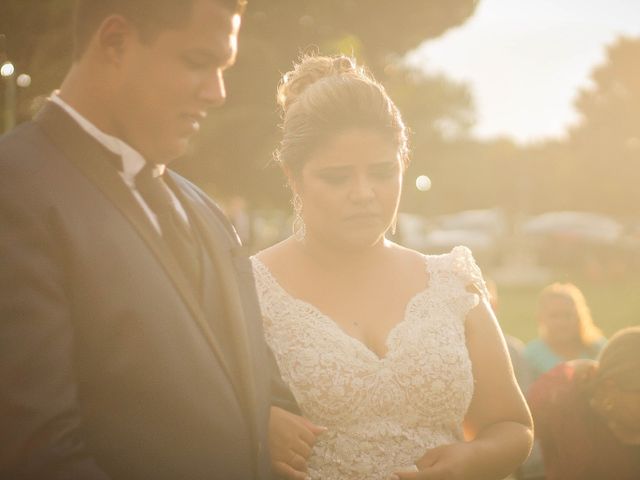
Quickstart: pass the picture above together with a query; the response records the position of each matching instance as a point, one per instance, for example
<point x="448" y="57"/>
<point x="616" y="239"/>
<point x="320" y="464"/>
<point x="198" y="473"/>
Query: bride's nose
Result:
<point x="361" y="189"/>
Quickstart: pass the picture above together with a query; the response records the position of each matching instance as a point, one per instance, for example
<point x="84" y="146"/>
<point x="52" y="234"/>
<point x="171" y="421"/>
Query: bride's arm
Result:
<point x="498" y="424"/>
<point x="498" y="420"/>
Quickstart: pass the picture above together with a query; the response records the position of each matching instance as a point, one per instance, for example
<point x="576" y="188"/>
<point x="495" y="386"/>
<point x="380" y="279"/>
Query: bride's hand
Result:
<point x="291" y="439"/>
<point x="448" y="462"/>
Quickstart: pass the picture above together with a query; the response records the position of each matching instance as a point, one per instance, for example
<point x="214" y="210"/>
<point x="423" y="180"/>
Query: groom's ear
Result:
<point x="113" y="37"/>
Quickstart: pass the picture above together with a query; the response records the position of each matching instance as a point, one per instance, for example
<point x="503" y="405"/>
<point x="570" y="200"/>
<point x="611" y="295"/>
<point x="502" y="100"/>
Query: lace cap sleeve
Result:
<point x="465" y="266"/>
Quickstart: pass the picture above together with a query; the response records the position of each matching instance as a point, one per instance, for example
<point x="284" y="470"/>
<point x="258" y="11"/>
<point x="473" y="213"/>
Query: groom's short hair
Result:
<point x="149" y="16"/>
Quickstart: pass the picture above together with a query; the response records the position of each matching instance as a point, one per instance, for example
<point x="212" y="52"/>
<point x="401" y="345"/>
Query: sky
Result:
<point x="525" y="60"/>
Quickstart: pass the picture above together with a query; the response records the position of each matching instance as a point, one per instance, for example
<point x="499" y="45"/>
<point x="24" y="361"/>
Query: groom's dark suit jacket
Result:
<point x="112" y="364"/>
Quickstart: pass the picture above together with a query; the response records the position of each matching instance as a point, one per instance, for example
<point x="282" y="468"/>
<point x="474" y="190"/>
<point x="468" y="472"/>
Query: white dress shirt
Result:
<point x="132" y="160"/>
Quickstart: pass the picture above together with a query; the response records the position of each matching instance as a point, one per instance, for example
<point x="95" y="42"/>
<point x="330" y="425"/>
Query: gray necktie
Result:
<point x="175" y="231"/>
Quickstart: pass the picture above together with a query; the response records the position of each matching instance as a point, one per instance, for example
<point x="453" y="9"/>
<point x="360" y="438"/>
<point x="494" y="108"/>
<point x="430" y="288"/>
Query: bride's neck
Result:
<point x="334" y="257"/>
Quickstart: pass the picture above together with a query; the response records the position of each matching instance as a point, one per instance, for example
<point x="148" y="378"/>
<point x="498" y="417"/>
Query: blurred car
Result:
<point x="574" y="226"/>
<point x="490" y="221"/>
<point x="480" y="230"/>
<point x="587" y="241"/>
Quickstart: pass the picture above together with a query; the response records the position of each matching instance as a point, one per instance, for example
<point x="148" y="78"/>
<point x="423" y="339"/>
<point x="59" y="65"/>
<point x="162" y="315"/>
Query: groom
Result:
<point x="130" y="340"/>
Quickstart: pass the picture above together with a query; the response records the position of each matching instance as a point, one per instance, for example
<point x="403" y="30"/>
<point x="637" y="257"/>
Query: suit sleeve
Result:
<point x="281" y="395"/>
<point x="40" y="423"/>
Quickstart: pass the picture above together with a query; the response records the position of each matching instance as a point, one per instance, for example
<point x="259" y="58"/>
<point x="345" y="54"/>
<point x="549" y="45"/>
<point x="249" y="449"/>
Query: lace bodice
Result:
<point x="382" y="413"/>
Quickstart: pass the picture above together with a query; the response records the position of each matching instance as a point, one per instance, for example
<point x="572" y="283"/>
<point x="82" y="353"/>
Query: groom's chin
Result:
<point x="174" y="150"/>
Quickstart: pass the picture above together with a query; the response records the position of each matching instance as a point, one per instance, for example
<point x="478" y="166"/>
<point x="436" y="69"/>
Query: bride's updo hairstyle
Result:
<point x="326" y="95"/>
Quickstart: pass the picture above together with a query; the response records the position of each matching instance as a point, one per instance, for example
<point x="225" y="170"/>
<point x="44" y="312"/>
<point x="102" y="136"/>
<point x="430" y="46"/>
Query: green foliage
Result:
<point x="607" y="142"/>
<point x="596" y="168"/>
<point x="244" y="132"/>
<point x="39" y="43"/>
<point x="236" y="143"/>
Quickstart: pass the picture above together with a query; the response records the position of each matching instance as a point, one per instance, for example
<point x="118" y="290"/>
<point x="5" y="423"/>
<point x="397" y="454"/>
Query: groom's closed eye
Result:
<point x="204" y="59"/>
<point x="200" y="60"/>
<point x="195" y="63"/>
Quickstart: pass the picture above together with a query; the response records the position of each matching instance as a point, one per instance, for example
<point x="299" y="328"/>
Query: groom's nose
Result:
<point x="213" y="92"/>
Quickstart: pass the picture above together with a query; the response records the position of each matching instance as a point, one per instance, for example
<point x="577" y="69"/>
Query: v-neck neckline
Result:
<point x="336" y="326"/>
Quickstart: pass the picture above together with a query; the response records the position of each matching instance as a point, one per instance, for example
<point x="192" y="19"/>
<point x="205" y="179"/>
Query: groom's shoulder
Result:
<point x="20" y="139"/>
<point x="194" y="192"/>
<point x="198" y="196"/>
<point x="23" y="150"/>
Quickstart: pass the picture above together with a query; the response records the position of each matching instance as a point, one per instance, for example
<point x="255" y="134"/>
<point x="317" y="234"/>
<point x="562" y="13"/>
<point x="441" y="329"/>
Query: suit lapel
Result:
<point x="94" y="162"/>
<point x="222" y="248"/>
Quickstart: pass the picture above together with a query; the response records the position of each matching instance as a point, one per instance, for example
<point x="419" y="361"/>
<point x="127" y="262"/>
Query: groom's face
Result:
<point x="167" y="85"/>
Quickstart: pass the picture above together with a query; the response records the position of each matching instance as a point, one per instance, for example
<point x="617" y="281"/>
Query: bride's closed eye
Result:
<point x="384" y="171"/>
<point x="334" y="176"/>
<point x="334" y="179"/>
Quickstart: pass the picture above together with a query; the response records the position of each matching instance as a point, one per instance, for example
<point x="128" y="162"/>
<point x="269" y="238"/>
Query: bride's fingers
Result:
<point x="406" y="473"/>
<point x="288" y="472"/>
<point x="421" y="475"/>
<point x="302" y="449"/>
<point x="436" y="472"/>
<point x="315" y="429"/>
<point x="429" y="459"/>
<point x="409" y="476"/>
<point x="306" y="436"/>
<point x="298" y="462"/>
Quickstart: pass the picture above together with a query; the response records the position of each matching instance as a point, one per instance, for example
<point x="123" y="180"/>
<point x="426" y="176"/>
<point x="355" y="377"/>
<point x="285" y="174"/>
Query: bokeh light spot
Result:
<point x="23" y="80"/>
<point x="7" y="69"/>
<point x="423" y="183"/>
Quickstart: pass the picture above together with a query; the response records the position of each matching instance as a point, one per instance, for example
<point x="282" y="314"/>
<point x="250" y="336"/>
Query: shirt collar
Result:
<point x="132" y="160"/>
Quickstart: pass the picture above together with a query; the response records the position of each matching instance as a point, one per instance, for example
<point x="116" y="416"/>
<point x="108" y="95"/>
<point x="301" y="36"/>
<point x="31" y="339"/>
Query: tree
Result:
<point x="605" y="146"/>
<point x="244" y="132"/>
<point x="38" y="42"/>
<point x="440" y="114"/>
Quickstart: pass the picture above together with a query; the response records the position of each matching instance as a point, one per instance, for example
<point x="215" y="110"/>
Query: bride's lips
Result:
<point x="363" y="217"/>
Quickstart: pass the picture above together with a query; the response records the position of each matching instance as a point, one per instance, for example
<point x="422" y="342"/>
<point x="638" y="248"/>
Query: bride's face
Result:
<point x="350" y="189"/>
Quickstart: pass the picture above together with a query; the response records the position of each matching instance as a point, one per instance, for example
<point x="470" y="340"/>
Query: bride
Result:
<point x="394" y="358"/>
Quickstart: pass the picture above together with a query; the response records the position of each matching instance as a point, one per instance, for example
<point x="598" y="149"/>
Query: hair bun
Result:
<point x="309" y="70"/>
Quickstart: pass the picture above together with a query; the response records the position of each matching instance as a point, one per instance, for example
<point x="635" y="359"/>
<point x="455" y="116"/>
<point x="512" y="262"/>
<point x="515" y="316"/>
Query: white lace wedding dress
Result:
<point x="382" y="413"/>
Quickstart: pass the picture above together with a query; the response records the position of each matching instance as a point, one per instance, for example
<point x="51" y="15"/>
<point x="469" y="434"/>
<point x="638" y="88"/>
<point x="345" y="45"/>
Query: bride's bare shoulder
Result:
<point x="275" y="254"/>
<point x="405" y="254"/>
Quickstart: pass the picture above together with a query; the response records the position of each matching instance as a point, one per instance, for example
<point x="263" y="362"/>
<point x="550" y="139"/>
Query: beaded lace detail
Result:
<point x="382" y="413"/>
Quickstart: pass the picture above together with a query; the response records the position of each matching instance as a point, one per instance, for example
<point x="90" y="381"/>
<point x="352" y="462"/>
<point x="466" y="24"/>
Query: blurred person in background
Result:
<point x="392" y="356"/>
<point x="587" y="414"/>
<point x="565" y="327"/>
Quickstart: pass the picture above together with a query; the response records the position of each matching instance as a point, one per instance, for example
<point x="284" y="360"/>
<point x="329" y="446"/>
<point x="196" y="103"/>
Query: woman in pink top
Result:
<point x="587" y="414"/>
